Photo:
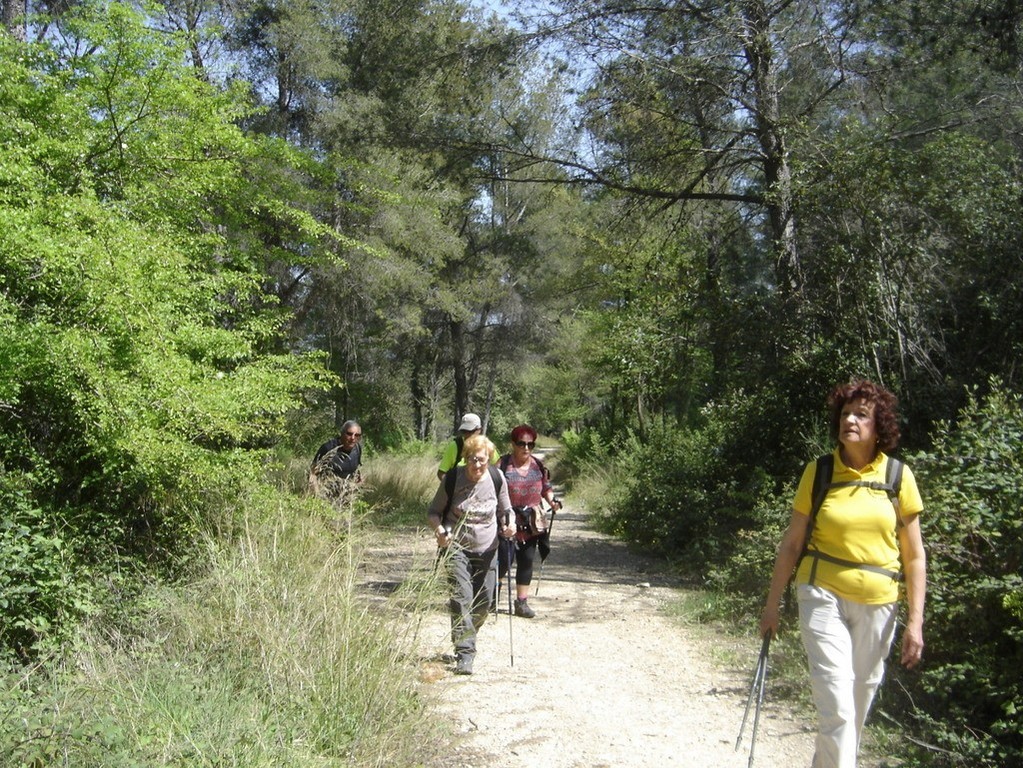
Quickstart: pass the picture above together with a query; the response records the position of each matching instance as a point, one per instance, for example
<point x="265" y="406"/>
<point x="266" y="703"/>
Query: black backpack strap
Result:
<point x="893" y="479"/>
<point x="498" y="477"/>
<point x="449" y="487"/>
<point x="543" y="470"/>
<point x="823" y="470"/>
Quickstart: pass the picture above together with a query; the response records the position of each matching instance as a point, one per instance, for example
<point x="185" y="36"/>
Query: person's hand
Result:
<point x="769" y="621"/>
<point x="443" y="536"/>
<point x="508" y="530"/>
<point x="556" y="504"/>
<point x="912" y="645"/>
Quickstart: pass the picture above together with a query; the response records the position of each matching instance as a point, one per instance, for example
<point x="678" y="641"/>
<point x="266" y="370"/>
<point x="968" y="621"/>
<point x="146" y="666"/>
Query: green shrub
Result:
<point x="141" y="377"/>
<point x="969" y="697"/>
<point x="743" y="578"/>
<point x="45" y="586"/>
<point x="689" y="492"/>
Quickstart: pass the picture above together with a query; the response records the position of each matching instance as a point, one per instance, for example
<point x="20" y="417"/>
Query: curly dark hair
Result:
<point x="886" y="418"/>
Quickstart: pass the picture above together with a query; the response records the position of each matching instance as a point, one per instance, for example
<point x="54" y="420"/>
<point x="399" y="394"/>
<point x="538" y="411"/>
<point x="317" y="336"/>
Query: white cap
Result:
<point x="470" y="422"/>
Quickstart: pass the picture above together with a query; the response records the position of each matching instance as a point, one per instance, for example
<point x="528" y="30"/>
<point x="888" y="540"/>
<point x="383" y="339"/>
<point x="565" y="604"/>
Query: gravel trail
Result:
<point x="601" y="677"/>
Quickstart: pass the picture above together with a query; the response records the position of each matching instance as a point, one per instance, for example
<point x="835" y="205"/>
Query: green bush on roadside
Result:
<point x="968" y="697"/>
<point x="688" y="493"/>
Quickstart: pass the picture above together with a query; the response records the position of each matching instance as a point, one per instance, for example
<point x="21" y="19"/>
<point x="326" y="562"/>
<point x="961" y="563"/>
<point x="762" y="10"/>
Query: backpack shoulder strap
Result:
<point x="893" y="475"/>
<point x="821" y="483"/>
<point x="823" y="469"/>
<point x="497" y="476"/>
<point x="543" y="470"/>
<point x="893" y="481"/>
<point x="449" y="487"/>
<point x="503" y="462"/>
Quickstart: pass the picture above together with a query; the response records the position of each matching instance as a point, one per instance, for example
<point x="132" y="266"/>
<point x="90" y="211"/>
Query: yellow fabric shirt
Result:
<point x="856" y="524"/>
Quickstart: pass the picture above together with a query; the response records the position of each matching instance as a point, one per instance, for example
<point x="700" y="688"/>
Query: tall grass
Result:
<point x="399" y="487"/>
<point x="271" y="658"/>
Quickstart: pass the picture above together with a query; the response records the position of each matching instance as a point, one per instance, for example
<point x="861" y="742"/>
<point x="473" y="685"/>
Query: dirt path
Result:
<point x="601" y="677"/>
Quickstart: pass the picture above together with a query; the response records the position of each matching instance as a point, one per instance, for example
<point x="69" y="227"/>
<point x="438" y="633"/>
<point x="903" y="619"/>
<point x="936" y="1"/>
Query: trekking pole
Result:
<point x="756" y="690"/>
<point x="511" y="559"/>
<point x="760" y="702"/>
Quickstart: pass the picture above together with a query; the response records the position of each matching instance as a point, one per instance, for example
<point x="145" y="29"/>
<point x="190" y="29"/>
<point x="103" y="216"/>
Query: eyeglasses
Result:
<point x="353" y="434"/>
<point x="524" y="444"/>
<point x="477" y="460"/>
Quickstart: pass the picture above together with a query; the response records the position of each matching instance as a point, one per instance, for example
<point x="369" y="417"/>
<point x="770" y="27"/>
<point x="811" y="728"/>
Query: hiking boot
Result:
<point x="522" y="609"/>
<point x="464" y="664"/>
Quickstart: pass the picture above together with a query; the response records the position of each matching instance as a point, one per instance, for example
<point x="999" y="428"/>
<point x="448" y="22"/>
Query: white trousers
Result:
<point x="846" y="646"/>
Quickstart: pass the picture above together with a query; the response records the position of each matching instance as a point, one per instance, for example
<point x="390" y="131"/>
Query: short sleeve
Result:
<point x="803" y="501"/>
<point x="449" y="458"/>
<point x="910" y="501"/>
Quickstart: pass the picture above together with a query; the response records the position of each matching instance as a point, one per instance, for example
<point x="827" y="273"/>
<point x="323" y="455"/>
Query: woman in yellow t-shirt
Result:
<point x="862" y="542"/>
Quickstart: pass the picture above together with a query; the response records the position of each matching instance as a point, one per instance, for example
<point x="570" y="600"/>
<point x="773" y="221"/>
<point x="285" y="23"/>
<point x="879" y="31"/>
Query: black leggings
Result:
<point x="525" y="553"/>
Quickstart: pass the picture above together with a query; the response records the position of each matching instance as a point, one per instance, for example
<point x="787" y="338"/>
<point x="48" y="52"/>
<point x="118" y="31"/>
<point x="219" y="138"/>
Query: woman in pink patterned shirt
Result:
<point x="528" y="483"/>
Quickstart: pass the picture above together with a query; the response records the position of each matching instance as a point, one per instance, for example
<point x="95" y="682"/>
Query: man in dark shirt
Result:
<point x="338" y="458"/>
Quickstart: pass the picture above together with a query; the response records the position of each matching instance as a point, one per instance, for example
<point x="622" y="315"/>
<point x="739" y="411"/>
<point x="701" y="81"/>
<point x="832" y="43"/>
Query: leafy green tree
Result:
<point x="141" y="383"/>
<point x="912" y="277"/>
<point x="370" y="85"/>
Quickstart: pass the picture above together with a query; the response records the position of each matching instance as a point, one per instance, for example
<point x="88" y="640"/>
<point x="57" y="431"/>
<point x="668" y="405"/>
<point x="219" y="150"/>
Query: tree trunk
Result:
<point x="459" y="370"/>
<point x="423" y="387"/>
<point x="418" y="400"/>
<point x="770" y="134"/>
<point x="14" y="13"/>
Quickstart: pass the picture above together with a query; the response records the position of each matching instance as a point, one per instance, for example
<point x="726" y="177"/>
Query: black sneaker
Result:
<point x="522" y="609"/>
<point x="464" y="665"/>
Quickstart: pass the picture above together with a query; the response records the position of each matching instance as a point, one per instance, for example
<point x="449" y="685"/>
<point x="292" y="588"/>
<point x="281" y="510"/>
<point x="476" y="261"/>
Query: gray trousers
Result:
<point x="473" y="577"/>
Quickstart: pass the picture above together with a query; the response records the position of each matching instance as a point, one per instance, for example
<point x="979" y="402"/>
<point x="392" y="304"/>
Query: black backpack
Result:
<point x="822" y="485"/>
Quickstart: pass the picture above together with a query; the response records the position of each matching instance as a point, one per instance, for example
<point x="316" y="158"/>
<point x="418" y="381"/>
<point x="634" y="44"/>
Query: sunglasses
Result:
<point x="524" y="444"/>
<point x="477" y="460"/>
<point x="353" y="434"/>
